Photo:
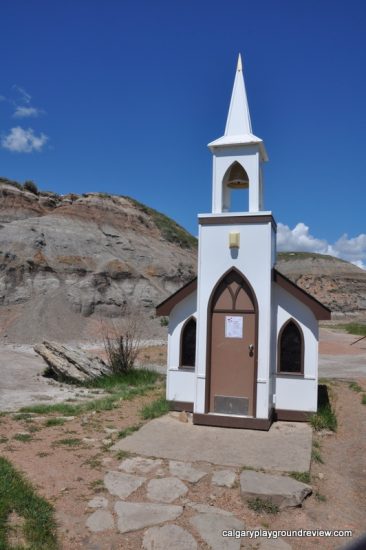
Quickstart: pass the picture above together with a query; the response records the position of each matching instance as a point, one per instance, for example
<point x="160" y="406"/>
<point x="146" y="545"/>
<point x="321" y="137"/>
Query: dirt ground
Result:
<point x="69" y="475"/>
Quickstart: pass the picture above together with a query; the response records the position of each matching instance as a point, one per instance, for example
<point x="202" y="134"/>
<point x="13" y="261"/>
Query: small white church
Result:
<point x="242" y="338"/>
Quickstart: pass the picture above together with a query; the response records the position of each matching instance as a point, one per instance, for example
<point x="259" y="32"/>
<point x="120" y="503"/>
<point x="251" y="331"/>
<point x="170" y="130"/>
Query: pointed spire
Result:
<point x="238" y="120"/>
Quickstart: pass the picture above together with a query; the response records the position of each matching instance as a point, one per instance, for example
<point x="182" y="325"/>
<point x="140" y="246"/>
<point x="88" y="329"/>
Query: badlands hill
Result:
<point x="67" y="262"/>
<point x="336" y="283"/>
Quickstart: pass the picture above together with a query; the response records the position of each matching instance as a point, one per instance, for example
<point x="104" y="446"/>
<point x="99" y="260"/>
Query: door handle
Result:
<point x="251" y="349"/>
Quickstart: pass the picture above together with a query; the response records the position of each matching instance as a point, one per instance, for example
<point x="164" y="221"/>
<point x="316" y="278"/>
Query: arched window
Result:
<point x="291" y="349"/>
<point x="188" y="344"/>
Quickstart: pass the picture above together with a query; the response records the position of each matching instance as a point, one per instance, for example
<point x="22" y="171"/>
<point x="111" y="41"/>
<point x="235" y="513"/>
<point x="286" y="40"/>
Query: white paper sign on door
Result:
<point x="233" y="327"/>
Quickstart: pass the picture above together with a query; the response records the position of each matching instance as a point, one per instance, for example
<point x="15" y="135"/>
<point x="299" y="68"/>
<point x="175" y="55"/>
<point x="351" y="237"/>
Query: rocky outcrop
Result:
<point x="71" y="365"/>
<point x="67" y="260"/>
<point x="336" y="283"/>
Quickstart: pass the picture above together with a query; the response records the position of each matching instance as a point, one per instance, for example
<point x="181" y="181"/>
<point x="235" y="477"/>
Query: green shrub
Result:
<point x="169" y="229"/>
<point x="30" y="186"/>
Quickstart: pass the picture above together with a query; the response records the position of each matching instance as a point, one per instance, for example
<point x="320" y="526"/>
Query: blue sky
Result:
<point x="123" y="97"/>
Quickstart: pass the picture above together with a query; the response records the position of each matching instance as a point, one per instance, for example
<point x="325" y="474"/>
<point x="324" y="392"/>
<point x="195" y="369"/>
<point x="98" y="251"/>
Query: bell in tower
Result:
<point x="237" y="177"/>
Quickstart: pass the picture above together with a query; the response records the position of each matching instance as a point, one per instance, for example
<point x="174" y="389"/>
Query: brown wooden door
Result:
<point x="233" y="348"/>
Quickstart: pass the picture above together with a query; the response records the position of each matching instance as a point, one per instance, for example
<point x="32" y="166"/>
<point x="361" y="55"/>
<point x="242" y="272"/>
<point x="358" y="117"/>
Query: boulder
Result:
<point x="282" y="491"/>
<point x="70" y="364"/>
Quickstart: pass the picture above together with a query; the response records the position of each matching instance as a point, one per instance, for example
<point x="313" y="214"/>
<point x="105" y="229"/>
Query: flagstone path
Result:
<point x="150" y="494"/>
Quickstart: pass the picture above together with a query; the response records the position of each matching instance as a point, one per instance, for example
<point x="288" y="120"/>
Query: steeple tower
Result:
<point x="238" y="155"/>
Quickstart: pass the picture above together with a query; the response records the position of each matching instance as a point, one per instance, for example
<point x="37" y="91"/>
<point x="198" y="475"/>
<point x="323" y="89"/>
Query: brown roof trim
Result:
<point x="166" y="307"/>
<point x="320" y="311"/>
<point x="224" y="220"/>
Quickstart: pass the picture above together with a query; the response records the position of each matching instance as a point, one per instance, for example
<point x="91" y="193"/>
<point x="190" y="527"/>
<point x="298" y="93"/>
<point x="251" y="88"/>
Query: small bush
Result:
<point x="363" y="399"/>
<point x="262" y="505"/>
<point x="164" y="321"/>
<point x="122" y="341"/>
<point x="30" y="186"/>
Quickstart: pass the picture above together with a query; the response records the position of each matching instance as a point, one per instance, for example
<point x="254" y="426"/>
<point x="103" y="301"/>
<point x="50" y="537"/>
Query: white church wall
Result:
<point x="180" y="382"/>
<point x="294" y="392"/>
<point x="253" y="259"/>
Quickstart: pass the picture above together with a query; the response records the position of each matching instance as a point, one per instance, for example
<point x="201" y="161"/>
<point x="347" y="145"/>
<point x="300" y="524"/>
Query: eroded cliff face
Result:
<point x="337" y="284"/>
<point x="66" y="259"/>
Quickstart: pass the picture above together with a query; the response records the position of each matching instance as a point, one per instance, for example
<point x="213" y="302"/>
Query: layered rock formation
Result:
<point x="336" y="283"/>
<point x="65" y="259"/>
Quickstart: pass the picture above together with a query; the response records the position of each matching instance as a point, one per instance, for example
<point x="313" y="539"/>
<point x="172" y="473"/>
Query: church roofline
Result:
<point x="165" y="307"/>
<point x="237" y="140"/>
<point x="320" y="311"/>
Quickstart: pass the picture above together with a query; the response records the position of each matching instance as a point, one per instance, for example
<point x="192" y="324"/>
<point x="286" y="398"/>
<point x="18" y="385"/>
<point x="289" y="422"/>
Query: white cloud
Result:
<point x="25" y="112"/>
<point x="20" y="140"/>
<point x="300" y="239"/>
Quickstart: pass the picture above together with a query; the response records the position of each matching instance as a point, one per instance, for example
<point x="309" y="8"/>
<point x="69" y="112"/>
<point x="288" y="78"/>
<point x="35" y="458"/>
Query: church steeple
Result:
<point x="238" y="119"/>
<point x="238" y="154"/>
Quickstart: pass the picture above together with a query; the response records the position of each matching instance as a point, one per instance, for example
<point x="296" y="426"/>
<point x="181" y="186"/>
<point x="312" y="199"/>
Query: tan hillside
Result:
<point x="65" y="261"/>
<point x="336" y="283"/>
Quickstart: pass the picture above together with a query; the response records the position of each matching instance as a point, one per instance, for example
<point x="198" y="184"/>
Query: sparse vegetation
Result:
<point x="54" y="422"/>
<point x="260" y="505"/>
<point x="69" y="442"/>
<point x="122" y="342"/>
<point x="155" y="409"/>
<point x="288" y="256"/>
<point x="38" y="527"/>
<point x="358" y="329"/>
<point x="164" y="321"/>
<point x="121" y="455"/>
<point x="128" y="431"/>
<point x="30" y="186"/>
<point x="169" y="229"/>
<point x="355" y="387"/>
<point x="134" y="383"/>
<point x="363" y="399"/>
<point x="23" y="437"/>
<point x="324" y="419"/>
<point x="316" y="456"/>
<point x="304" y="477"/>
<point x="320" y="498"/>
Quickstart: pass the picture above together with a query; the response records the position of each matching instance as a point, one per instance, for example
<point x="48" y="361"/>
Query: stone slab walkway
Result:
<point x="285" y="447"/>
<point x="157" y="510"/>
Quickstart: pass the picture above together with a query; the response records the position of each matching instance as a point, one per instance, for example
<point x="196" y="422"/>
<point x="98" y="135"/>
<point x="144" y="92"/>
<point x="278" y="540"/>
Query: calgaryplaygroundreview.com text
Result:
<point x="276" y="533"/>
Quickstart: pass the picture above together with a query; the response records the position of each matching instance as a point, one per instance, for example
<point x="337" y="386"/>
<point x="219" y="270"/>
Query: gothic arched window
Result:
<point x="291" y="349"/>
<point x="188" y="344"/>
